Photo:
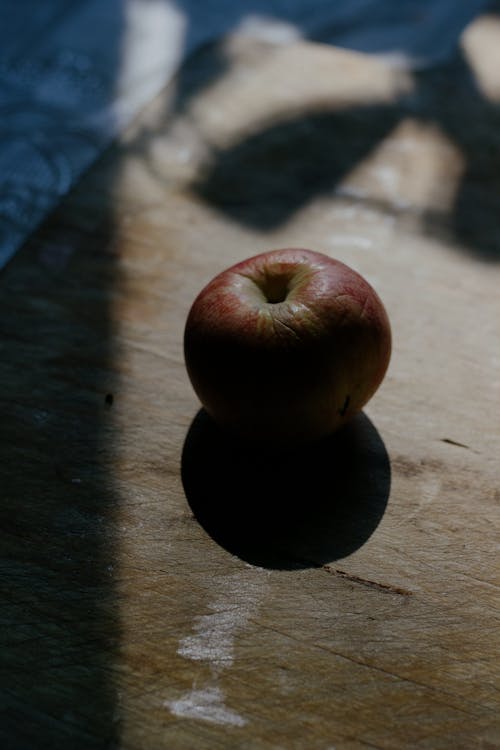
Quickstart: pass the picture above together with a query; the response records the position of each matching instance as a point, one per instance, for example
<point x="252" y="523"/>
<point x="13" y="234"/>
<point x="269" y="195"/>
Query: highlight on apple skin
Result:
<point x="284" y="347"/>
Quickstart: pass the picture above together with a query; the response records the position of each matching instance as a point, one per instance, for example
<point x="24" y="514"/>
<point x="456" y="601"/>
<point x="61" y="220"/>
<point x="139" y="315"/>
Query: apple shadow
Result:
<point x="293" y="510"/>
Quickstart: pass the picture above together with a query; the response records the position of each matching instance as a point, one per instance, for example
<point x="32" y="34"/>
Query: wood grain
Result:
<point x="147" y="601"/>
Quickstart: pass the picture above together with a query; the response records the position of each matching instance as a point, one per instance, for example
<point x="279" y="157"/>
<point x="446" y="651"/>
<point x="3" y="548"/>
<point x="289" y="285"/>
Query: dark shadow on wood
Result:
<point x="267" y="177"/>
<point x="449" y="98"/>
<point x="263" y="179"/>
<point x="60" y="626"/>
<point x="291" y="510"/>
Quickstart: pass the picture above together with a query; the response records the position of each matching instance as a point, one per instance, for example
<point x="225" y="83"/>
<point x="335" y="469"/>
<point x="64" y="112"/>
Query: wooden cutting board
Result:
<point x="162" y="588"/>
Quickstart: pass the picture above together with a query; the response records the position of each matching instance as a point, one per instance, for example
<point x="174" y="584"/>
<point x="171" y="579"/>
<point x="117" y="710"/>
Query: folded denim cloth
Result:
<point x="74" y="72"/>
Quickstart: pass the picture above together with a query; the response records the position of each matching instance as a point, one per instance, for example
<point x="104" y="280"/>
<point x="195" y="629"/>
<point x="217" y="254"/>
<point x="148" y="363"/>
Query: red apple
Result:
<point x="286" y="346"/>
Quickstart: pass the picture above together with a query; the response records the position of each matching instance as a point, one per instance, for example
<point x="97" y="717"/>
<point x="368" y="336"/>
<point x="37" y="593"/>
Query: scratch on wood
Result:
<point x="455" y="442"/>
<point x="367" y="582"/>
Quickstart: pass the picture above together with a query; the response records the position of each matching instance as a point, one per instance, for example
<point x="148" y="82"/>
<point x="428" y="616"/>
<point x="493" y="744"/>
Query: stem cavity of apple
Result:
<point x="276" y="287"/>
<point x="274" y="284"/>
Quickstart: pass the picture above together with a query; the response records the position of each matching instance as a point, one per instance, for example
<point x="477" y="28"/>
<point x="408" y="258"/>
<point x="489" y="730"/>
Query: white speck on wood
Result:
<point x="206" y="704"/>
<point x="237" y="597"/>
<point x="213" y="639"/>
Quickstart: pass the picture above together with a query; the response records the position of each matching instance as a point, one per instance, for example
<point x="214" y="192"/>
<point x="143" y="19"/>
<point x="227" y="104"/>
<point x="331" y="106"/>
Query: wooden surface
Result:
<point x="164" y="589"/>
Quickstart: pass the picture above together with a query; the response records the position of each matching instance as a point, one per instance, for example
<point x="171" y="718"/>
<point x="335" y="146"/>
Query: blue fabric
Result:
<point x="63" y="95"/>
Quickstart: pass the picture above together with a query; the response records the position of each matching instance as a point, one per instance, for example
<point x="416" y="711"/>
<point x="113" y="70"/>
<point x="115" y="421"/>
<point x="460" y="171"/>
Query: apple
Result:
<point x="286" y="346"/>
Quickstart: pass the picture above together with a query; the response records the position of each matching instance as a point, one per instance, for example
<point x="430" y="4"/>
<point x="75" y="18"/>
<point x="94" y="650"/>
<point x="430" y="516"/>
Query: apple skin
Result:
<point x="284" y="347"/>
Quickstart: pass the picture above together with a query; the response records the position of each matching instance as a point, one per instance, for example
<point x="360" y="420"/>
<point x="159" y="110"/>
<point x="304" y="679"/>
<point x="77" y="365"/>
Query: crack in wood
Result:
<point x="367" y="582"/>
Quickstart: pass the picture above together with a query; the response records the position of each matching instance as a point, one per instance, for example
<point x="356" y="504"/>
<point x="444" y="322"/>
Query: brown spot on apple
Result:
<point x="344" y="408"/>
